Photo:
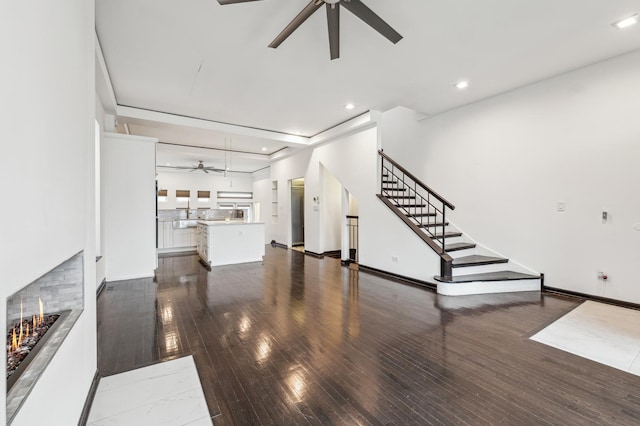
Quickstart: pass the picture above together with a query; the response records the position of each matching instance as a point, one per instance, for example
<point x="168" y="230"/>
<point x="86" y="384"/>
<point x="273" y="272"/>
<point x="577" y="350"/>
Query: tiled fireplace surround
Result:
<point x="60" y="289"/>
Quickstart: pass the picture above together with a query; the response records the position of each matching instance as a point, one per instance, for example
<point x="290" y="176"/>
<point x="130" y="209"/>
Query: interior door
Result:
<point x="297" y="215"/>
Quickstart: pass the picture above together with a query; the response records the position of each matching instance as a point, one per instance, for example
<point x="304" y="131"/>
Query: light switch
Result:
<point x="560" y="206"/>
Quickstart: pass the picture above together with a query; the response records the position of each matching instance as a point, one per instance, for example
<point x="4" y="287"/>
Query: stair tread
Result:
<point x="446" y="234"/>
<point x="403" y="197"/>
<point x="420" y="214"/>
<point x="393" y="189"/>
<point x="432" y="225"/>
<point x="458" y="246"/>
<point x="488" y="276"/>
<point x="410" y="205"/>
<point x="477" y="260"/>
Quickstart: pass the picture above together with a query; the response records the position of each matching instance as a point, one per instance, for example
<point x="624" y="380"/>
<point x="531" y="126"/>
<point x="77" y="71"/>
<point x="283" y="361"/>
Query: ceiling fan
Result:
<point x="333" y="20"/>
<point x="200" y="166"/>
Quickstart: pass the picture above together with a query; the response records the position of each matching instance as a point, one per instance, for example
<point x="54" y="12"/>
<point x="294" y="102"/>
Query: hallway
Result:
<point x="300" y="340"/>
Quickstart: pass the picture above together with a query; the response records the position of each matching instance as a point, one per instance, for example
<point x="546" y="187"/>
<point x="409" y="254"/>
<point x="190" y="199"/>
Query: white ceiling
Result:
<point x="199" y="59"/>
<point x="185" y="146"/>
<point x="168" y="156"/>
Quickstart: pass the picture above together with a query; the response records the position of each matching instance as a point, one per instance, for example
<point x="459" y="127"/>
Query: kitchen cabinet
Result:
<point x="167" y="241"/>
<point x="175" y="239"/>
<point x="184" y="237"/>
<point x="160" y="228"/>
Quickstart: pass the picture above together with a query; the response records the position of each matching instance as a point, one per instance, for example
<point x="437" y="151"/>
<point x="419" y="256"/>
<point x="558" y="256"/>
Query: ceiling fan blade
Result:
<point x="193" y="170"/>
<point x="297" y="21"/>
<point x="223" y="2"/>
<point x="367" y="15"/>
<point x="174" y="167"/>
<point x="333" y="21"/>
<point x="205" y="170"/>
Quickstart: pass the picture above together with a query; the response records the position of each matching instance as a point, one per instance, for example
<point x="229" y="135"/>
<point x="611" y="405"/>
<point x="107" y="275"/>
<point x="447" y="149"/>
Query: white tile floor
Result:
<point x="168" y="393"/>
<point x="603" y="333"/>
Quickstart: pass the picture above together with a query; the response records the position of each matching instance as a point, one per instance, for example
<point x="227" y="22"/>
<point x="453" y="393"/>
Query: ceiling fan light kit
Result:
<point x="333" y="21"/>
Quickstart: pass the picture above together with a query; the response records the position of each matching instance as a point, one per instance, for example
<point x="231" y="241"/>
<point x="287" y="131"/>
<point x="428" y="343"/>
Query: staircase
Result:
<point x="464" y="267"/>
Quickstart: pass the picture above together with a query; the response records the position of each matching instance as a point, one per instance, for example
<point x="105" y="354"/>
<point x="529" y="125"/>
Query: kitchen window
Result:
<point x="247" y="209"/>
<point x="230" y="194"/>
<point x="162" y="195"/>
<point x="183" y="195"/>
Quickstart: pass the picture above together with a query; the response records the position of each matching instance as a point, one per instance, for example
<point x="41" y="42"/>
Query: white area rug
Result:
<point x="603" y="333"/>
<point x="168" y="393"/>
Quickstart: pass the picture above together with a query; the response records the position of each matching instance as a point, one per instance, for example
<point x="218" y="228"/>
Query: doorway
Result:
<point x="297" y="213"/>
<point x="350" y="240"/>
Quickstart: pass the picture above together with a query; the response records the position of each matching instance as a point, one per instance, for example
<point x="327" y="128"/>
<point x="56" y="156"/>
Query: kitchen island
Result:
<point x="230" y="242"/>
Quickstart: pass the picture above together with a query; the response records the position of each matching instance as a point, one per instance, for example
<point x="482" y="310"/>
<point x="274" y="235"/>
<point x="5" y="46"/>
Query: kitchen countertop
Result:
<point x="224" y="222"/>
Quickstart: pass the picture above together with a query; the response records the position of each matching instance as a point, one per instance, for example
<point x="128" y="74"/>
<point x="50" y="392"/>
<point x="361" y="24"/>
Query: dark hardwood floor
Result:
<point x="298" y="340"/>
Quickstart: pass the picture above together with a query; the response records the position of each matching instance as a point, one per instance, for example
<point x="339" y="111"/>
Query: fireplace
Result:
<point x="56" y="298"/>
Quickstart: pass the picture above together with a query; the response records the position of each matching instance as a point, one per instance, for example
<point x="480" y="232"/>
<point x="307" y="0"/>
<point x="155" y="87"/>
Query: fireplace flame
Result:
<point x="20" y="337"/>
<point x="26" y="328"/>
<point x="14" y="341"/>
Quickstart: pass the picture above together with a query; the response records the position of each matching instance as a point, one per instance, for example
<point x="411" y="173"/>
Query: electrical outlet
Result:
<point x="560" y="206"/>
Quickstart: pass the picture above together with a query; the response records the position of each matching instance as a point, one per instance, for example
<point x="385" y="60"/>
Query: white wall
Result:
<point x="353" y="206"/>
<point x="199" y="181"/>
<point x="129" y="206"/>
<point x="505" y="163"/>
<point x="47" y="116"/>
<point x="352" y="160"/>
<point x="100" y="264"/>
<point x="332" y="216"/>
<point x="283" y="171"/>
<point x="261" y="187"/>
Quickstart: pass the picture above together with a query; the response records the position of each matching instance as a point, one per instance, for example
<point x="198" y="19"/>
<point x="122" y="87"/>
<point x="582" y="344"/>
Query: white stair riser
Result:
<point x="448" y="240"/>
<point x="462" y="253"/>
<point x="487" y="287"/>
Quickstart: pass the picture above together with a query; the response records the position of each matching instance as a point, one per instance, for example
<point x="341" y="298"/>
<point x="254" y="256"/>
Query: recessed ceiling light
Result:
<point x="626" y="22"/>
<point x="349" y="106"/>
<point x="264" y="148"/>
<point x="462" y="85"/>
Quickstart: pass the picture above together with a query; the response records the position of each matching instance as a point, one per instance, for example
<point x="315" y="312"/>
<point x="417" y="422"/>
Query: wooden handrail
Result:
<point x="417" y="181"/>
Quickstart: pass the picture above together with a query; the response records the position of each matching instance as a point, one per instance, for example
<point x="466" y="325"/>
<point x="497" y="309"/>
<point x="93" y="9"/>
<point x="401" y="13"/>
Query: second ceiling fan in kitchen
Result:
<point x="333" y="21"/>
<point x="199" y="166"/>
